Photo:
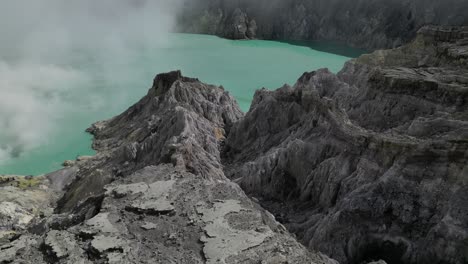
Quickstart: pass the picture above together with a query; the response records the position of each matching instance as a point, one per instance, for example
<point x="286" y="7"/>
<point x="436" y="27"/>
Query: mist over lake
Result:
<point x="89" y="86"/>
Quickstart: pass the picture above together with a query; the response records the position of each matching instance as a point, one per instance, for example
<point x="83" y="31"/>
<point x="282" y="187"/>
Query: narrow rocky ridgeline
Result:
<point x="361" y="23"/>
<point x="371" y="163"/>
<point x="154" y="193"/>
<point x="367" y="165"/>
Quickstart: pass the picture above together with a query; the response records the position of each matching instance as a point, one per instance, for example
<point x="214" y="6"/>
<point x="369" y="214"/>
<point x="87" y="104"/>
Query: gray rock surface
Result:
<point x="24" y="247"/>
<point x="360" y="23"/>
<point x="367" y="165"/>
<point x="371" y="163"/>
<point x="22" y="200"/>
<point x="156" y="192"/>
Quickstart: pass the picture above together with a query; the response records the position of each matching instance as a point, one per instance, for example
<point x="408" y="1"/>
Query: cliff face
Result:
<point x="154" y="193"/>
<point x="371" y="163"/>
<point x="361" y="23"/>
<point x="367" y="165"/>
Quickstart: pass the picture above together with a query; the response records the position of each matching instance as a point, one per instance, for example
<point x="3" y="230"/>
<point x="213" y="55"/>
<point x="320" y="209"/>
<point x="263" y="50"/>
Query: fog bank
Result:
<point x="43" y="40"/>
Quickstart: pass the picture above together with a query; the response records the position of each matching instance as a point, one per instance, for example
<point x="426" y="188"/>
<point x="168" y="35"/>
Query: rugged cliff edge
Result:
<point x="361" y="23"/>
<point x="371" y="163"/>
<point x="367" y="165"/>
<point x="154" y="193"/>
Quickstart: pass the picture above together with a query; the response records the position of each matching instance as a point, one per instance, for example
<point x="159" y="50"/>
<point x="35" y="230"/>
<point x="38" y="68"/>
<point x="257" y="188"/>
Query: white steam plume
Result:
<point x="39" y="41"/>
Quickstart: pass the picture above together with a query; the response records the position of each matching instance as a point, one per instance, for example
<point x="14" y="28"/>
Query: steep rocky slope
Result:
<point x="371" y="163"/>
<point x="154" y="193"/>
<point x="367" y="165"/>
<point x="362" y="23"/>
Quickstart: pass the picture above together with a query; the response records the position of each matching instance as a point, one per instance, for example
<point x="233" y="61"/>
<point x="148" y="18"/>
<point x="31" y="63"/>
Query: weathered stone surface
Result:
<point x="25" y="247"/>
<point x="117" y="258"/>
<point x="127" y="189"/>
<point x="156" y="190"/>
<point x="62" y="244"/>
<point x="365" y="165"/>
<point x="8" y="253"/>
<point x="154" y="206"/>
<point x="13" y="216"/>
<point x="154" y="201"/>
<point x="102" y="244"/>
<point x="101" y="223"/>
<point x="6" y="236"/>
<point x="22" y="200"/>
<point x="222" y="240"/>
<point x="368" y="164"/>
<point x="60" y="179"/>
<point x="149" y="226"/>
<point x="376" y="24"/>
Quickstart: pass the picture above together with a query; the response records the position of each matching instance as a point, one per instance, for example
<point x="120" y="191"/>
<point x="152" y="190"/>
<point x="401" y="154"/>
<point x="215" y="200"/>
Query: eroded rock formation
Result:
<point x="155" y="192"/>
<point x="362" y="23"/>
<point x="371" y="163"/>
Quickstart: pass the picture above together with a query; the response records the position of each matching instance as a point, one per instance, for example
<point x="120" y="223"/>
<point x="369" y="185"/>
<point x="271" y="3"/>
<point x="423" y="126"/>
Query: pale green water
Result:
<point x="240" y="66"/>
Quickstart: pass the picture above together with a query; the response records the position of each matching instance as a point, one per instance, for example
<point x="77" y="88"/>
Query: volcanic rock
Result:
<point x="156" y="191"/>
<point x="369" y="25"/>
<point x="366" y="165"/>
<point x="371" y="163"/>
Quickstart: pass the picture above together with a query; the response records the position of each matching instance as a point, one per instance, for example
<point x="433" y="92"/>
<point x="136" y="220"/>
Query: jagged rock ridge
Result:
<point x="371" y="163"/>
<point x="365" y="165"/>
<point x="156" y="192"/>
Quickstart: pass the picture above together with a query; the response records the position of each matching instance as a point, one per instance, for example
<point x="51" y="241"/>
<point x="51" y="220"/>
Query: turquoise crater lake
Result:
<point x="241" y="67"/>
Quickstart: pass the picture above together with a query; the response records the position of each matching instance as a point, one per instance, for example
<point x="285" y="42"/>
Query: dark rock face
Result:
<point x="371" y="163"/>
<point x="232" y="24"/>
<point x="366" y="166"/>
<point x="375" y="24"/>
<point x="156" y="192"/>
<point x="238" y="26"/>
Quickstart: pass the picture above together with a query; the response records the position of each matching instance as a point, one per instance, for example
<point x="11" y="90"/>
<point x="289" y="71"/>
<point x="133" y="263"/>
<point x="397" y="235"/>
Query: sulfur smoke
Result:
<point x="41" y="40"/>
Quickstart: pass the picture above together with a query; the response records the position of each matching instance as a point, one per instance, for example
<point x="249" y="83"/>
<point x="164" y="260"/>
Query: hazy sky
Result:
<point x="38" y="41"/>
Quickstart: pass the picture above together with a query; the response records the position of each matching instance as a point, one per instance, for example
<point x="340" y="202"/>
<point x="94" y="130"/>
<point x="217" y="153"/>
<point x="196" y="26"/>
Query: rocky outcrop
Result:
<point x="238" y="26"/>
<point x="22" y="199"/>
<point x="232" y="24"/>
<point x="156" y="192"/>
<point x="371" y="163"/>
<point x="376" y="24"/>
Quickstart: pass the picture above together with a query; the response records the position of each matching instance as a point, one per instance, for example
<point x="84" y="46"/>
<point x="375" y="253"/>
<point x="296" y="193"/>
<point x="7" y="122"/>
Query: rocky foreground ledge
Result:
<point x="367" y="165"/>
<point x="154" y="193"/>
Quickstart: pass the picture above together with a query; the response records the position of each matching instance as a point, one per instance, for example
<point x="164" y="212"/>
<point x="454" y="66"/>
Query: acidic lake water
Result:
<point x="241" y="67"/>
